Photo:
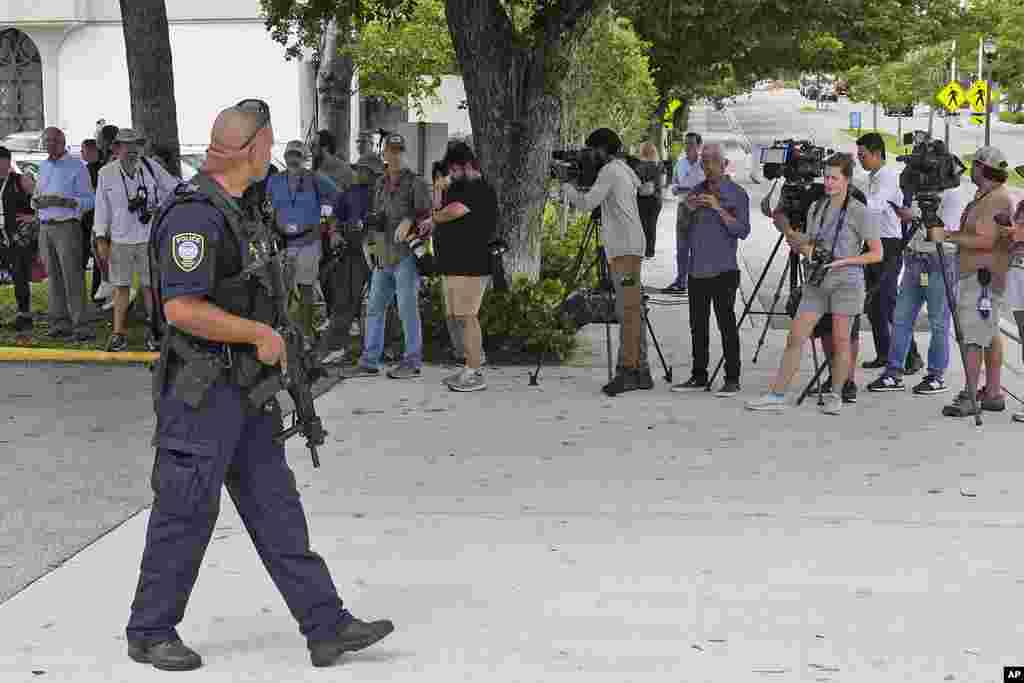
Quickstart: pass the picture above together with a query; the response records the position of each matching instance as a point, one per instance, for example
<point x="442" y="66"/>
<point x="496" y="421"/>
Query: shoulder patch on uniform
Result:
<point x="188" y="250"/>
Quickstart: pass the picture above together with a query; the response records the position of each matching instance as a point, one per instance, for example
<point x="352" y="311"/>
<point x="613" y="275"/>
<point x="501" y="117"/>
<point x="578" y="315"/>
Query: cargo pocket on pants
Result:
<point x="183" y="476"/>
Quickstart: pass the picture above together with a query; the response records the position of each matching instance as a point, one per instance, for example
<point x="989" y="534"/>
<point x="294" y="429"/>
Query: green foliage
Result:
<point x="299" y="24"/>
<point x="1012" y="116"/>
<point x="608" y="82"/>
<point x="403" y="59"/>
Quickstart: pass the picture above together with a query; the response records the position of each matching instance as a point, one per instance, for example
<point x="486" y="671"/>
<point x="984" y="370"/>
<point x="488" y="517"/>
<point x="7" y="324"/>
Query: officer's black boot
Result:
<point x="355" y="635"/>
<point x="170" y="655"/>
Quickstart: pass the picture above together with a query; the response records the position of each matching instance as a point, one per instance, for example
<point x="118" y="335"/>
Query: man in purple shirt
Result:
<point x="64" y="191"/>
<point x="721" y="217"/>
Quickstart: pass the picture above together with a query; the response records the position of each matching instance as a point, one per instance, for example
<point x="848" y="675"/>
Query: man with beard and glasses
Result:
<point x="127" y="195"/>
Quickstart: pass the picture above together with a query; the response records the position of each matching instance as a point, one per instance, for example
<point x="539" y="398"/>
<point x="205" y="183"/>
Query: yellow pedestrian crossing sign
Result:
<point x="977" y="95"/>
<point x="670" y="113"/>
<point x="951" y="96"/>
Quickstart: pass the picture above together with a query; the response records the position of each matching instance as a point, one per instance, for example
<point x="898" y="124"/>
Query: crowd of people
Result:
<point x="343" y="227"/>
<point x="346" y="227"/>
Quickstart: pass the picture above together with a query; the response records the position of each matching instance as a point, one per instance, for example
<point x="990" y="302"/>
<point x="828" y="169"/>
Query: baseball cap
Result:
<point x="992" y="157"/>
<point x="295" y="147"/>
<point x="396" y="140"/>
<point x="128" y="135"/>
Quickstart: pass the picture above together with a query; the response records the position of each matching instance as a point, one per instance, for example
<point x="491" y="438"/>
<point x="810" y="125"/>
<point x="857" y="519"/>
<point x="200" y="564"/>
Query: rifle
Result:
<point x="303" y="364"/>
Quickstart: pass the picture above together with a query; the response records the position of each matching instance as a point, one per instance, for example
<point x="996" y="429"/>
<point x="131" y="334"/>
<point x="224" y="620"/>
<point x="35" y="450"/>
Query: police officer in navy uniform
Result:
<point x="220" y="342"/>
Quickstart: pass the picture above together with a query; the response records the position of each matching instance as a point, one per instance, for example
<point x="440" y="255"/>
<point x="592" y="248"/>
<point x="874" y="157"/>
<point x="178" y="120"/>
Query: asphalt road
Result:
<point x="76" y="461"/>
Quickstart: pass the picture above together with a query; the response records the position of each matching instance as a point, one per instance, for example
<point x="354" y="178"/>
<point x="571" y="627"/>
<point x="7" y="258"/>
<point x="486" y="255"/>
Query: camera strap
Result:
<point x="839" y="223"/>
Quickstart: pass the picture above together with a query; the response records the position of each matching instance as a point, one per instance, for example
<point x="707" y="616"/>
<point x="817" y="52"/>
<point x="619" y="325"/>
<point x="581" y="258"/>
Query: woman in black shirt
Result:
<point x="465" y="216"/>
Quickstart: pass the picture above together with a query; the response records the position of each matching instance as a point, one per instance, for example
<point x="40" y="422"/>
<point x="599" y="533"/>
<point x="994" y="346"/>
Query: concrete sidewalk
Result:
<point x="552" y="534"/>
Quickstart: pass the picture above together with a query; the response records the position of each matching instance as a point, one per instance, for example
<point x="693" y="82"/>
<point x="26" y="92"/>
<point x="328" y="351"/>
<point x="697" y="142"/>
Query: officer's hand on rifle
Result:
<point x="271" y="349"/>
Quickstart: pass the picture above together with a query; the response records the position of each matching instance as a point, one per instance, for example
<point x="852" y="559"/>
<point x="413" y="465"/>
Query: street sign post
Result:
<point x="951" y="96"/>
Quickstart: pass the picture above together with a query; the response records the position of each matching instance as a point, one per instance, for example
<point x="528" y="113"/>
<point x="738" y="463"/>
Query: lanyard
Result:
<point x="298" y="188"/>
<point x="142" y="183"/>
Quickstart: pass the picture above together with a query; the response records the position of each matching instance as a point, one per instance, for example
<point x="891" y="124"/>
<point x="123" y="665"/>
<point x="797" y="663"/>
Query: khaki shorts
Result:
<point x="125" y="261"/>
<point x="843" y="299"/>
<point x="976" y="330"/>
<point x="463" y="295"/>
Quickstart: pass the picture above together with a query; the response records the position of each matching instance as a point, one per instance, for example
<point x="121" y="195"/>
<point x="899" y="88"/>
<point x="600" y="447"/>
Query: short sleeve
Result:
<point x="189" y="238"/>
<point x="867" y="226"/>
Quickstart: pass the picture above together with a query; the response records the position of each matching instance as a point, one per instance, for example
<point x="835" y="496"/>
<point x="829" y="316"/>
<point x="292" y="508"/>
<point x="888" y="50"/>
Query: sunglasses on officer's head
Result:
<point x="258" y="107"/>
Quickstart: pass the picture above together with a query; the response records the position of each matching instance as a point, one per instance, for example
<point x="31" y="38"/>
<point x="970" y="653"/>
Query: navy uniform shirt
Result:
<point x="193" y="247"/>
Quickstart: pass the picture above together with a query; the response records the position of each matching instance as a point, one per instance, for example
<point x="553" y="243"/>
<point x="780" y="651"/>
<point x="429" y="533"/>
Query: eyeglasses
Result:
<point x="258" y="107"/>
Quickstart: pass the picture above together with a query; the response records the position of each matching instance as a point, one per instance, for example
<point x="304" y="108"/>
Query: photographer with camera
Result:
<point x="622" y="233"/>
<point x="464" y="224"/>
<point x="301" y="200"/>
<point x="984" y="262"/>
<point x="400" y="201"/>
<point x="720" y="217"/>
<point x="128" y="192"/>
<point x="922" y="284"/>
<point x="885" y="207"/>
<point x="837" y="228"/>
<point x="344" y="271"/>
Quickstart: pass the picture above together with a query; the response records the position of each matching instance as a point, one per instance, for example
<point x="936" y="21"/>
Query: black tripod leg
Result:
<point x="657" y="346"/>
<point x="771" y="311"/>
<point x="746" y="309"/>
<point x="972" y="389"/>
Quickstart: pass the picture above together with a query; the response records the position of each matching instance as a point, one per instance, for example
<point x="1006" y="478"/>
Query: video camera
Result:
<point x="576" y="166"/>
<point x="930" y="169"/>
<point x="800" y="163"/>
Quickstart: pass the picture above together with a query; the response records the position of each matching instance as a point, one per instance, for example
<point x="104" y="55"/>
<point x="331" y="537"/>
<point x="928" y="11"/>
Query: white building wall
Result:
<point x="445" y="108"/>
<point x="215" y="65"/>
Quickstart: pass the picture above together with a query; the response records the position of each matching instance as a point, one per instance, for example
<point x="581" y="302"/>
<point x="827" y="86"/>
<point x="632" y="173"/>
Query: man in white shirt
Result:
<point x="885" y="206"/>
<point x="689" y="173"/>
<point x="127" y="195"/>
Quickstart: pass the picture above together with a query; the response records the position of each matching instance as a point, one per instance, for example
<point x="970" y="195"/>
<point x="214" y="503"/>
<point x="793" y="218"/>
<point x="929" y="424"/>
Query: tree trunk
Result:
<point x="151" y="75"/>
<point x="334" y="91"/>
<point x="515" y="119"/>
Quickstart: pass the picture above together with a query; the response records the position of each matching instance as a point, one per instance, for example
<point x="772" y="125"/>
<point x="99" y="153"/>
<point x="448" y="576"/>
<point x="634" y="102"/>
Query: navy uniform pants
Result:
<point x="197" y="452"/>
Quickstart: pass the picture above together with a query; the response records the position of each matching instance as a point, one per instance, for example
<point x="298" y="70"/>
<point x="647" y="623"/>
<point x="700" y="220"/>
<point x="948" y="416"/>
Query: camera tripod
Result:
<point x="930" y="219"/>
<point x="605" y="286"/>
<point x="794" y="270"/>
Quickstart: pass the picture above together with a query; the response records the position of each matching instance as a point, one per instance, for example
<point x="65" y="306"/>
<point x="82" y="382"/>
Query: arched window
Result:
<point x="21" y="83"/>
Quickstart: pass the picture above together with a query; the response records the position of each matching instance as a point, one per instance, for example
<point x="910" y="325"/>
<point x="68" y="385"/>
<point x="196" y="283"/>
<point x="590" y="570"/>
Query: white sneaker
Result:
<point x="356" y="330"/>
<point x="1018" y="417"/>
<point x="468" y="380"/>
<point x="104" y="291"/>
<point x="833" y="405"/>
<point x="336" y="357"/>
<point x="768" y="402"/>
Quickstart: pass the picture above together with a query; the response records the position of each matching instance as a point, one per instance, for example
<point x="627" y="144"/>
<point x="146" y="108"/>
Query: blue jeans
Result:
<point x="912" y="295"/>
<point x="684" y="254"/>
<point x="404" y="280"/>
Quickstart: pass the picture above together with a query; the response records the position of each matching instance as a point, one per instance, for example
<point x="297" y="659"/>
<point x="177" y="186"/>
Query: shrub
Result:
<point x="1012" y="117"/>
<point x="523" y="320"/>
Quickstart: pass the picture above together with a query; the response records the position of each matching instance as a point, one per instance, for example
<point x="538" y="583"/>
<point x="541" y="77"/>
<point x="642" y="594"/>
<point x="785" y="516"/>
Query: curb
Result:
<point x="19" y="354"/>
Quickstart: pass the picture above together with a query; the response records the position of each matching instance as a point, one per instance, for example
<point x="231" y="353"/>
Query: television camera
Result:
<point x="800" y="163"/>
